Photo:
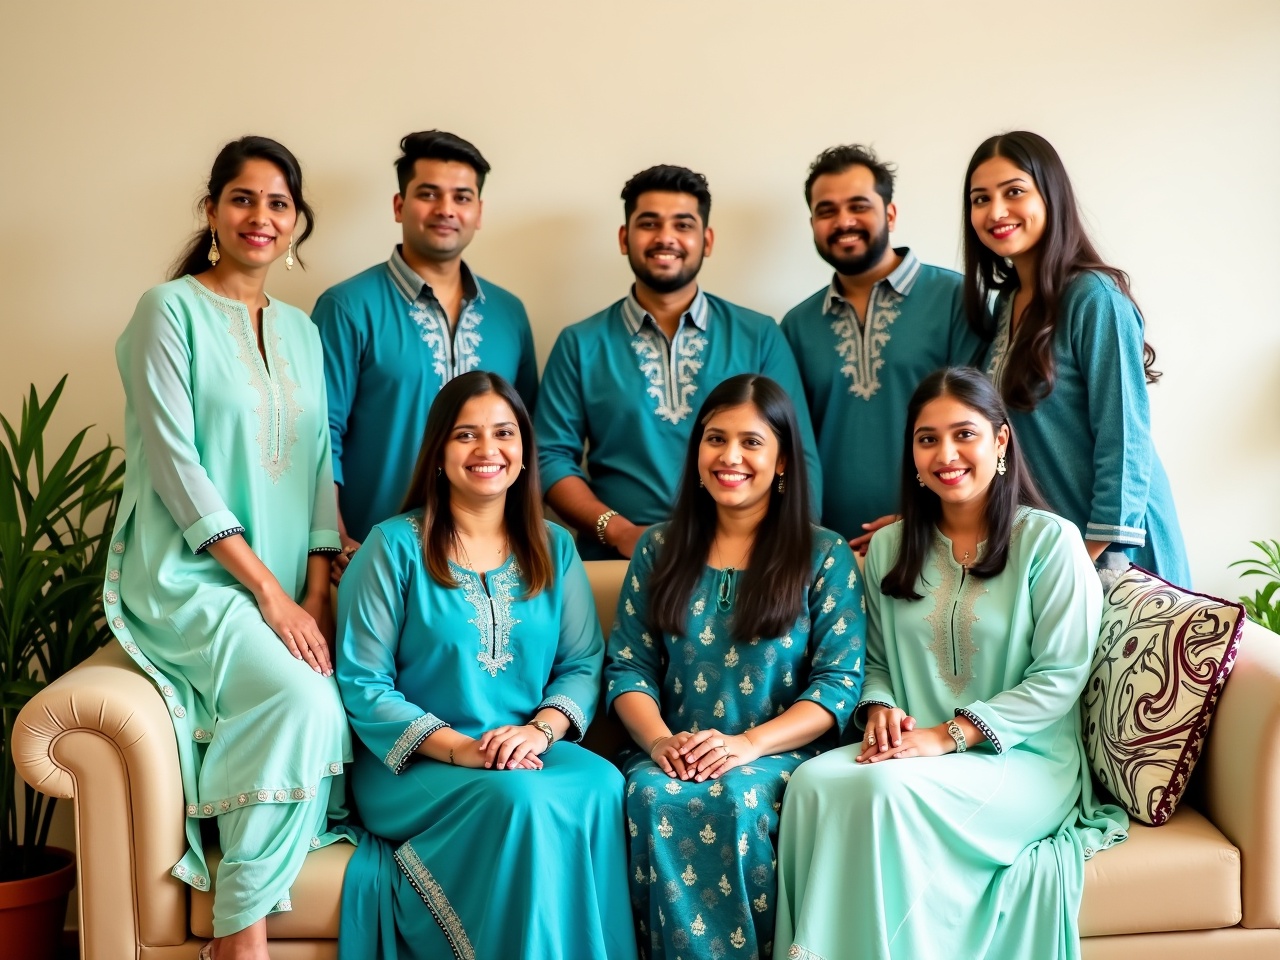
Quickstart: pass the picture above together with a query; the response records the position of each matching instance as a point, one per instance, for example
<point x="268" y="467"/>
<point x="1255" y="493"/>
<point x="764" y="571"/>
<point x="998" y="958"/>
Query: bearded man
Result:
<point x="625" y="383"/>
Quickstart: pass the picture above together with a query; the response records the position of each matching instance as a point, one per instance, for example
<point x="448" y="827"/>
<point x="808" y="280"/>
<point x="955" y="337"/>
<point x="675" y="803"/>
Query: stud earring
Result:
<point x="214" y="255"/>
<point x="782" y="483"/>
<point x="700" y="483"/>
<point x="918" y="480"/>
<point x="1000" y="465"/>
<point x="288" y="260"/>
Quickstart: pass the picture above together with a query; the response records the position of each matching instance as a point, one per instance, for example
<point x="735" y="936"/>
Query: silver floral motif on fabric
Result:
<point x="673" y="379"/>
<point x="859" y="345"/>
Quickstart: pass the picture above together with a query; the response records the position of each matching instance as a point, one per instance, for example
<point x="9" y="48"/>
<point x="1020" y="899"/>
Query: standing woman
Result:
<point x="468" y="652"/>
<point x="963" y="819"/>
<point x="1068" y="356"/>
<point x="218" y="579"/>
<point x="736" y="655"/>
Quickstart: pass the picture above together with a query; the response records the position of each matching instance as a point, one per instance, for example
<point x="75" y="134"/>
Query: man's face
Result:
<point x="851" y="223"/>
<point x="665" y="240"/>
<point x="439" y="210"/>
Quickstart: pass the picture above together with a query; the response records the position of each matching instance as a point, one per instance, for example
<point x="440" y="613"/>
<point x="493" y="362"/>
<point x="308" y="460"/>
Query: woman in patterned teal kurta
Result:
<point x="1068" y="356"/>
<point x="488" y="840"/>
<point x="740" y="627"/>
<point x="982" y="617"/>
<point x="217" y="584"/>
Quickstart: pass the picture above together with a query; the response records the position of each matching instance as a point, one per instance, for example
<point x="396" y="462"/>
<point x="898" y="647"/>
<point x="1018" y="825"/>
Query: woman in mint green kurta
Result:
<point x="228" y="487"/>
<point x="487" y="841"/>
<point x="960" y="825"/>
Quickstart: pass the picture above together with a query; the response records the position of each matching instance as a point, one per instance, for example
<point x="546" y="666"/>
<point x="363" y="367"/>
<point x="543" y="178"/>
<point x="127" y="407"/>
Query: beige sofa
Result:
<point x="1207" y="884"/>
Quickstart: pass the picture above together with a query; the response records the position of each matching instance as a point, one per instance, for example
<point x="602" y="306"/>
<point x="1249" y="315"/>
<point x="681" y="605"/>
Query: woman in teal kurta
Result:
<point x="217" y="581"/>
<point x="751" y="689"/>
<point x="487" y="840"/>
<point x="1067" y="354"/>
<point x="960" y="825"/>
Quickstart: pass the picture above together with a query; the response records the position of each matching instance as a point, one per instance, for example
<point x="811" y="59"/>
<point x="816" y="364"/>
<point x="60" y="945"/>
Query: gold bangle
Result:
<point x="545" y="729"/>
<point x="658" y="739"/>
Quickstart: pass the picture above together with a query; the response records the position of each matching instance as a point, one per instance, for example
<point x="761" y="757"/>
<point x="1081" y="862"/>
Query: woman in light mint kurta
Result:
<point x="485" y="839"/>
<point x="960" y="825"/>
<point x="228" y="485"/>
<point x="750" y="699"/>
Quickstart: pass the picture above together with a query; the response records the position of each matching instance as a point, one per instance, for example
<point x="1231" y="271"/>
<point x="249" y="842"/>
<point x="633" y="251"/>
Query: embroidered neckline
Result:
<point x="493" y="619"/>
<point x="671" y="368"/>
<point x="859" y="345"/>
<point x="455" y="351"/>
<point x="1000" y="345"/>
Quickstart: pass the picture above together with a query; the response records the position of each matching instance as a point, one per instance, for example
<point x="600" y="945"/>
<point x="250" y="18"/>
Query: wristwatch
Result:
<point x="957" y="735"/>
<point x="545" y="729"/>
<point x="602" y="521"/>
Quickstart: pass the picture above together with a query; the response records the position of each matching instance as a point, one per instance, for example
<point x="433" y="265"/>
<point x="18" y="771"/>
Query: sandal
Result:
<point x="206" y="952"/>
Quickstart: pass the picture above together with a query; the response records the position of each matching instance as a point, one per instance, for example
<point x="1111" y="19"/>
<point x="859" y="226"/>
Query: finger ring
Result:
<point x="723" y="748"/>
<point x="348" y="551"/>
<point x="871" y="739"/>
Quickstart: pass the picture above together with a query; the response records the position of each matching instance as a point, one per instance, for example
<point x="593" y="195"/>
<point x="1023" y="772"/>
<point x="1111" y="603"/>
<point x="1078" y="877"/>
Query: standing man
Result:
<point x="396" y="333"/>
<point x="626" y="383"/>
<point x="884" y="322"/>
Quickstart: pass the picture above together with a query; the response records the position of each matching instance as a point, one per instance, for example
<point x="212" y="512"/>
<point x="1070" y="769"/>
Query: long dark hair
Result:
<point x="430" y="490"/>
<point x="1064" y="252"/>
<point x="226" y="167"/>
<point x="921" y="507"/>
<point x="770" y="594"/>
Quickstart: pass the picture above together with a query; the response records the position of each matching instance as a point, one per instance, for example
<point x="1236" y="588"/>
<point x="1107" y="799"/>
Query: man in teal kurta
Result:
<point x="394" y="334"/>
<point x="626" y="382"/>
<point x="864" y="342"/>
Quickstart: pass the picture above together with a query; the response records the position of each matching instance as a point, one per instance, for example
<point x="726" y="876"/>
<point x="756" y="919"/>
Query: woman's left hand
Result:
<point x="513" y="747"/>
<point x="924" y="742"/>
<point x="709" y="753"/>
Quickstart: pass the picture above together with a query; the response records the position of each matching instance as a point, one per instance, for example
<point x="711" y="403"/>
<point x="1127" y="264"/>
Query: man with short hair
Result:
<point x="627" y="382"/>
<point x="394" y="334"/>
<point x="867" y="339"/>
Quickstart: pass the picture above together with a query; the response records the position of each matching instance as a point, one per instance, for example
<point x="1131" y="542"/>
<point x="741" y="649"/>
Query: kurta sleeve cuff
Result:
<point x="324" y="541"/>
<point x="617" y="686"/>
<point x="982" y="725"/>
<point x="552" y="470"/>
<point x="577" y="718"/>
<point x="860" y="711"/>
<point x="211" y="529"/>
<point x="411" y="740"/>
<point x="337" y="470"/>
<point x="1114" y="533"/>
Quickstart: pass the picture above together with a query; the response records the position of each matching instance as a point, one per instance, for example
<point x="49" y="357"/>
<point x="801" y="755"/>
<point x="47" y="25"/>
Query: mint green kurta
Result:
<point x="221" y="440"/>
<point x="978" y="854"/>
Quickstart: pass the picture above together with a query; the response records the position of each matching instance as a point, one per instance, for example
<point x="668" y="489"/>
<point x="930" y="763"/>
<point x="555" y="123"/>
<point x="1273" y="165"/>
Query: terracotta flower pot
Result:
<point x="32" y="911"/>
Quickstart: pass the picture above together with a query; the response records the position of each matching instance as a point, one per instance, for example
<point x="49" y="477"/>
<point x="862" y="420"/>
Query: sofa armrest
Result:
<point x="1242" y="795"/>
<point x="100" y="736"/>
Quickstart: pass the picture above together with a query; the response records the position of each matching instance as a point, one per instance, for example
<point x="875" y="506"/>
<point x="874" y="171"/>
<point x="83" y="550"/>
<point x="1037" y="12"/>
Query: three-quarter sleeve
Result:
<point x="574" y="685"/>
<point x="633" y="663"/>
<point x="371" y="616"/>
<point x="877" y="684"/>
<point x="1066" y="605"/>
<point x="778" y="363"/>
<point x="1106" y="331"/>
<point x="837" y="631"/>
<point x="160" y="394"/>
<point x="560" y="420"/>
<point x="343" y="343"/>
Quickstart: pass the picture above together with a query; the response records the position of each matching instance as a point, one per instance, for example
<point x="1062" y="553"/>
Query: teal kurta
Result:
<point x="219" y="441"/>
<point x="617" y="387"/>
<point x="388" y="349"/>
<point x="1089" y="441"/>
<point x="860" y="373"/>
<point x="979" y="854"/>
<point x="702" y="854"/>
<point x="475" y="863"/>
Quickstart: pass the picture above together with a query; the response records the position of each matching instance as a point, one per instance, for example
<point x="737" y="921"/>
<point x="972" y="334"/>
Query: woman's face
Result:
<point x="1006" y="208"/>
<point x="484" y="453"/>
<point x="739" y="458"/>
<point x="254" y="217"/>
<point x="956" y="449"/>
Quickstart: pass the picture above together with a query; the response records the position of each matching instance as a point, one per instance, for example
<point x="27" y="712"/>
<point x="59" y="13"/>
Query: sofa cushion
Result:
<point x="1163" y="656"/>
<point x="1184" y="875"/>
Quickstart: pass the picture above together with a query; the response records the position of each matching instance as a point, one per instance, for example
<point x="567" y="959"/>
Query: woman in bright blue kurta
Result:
<point x="751" y="689"/>
<point x="960" y="825"/>
<point x="1067" y="354"/>
<point x="217" y="581"/>
<point x="487" y="840"/>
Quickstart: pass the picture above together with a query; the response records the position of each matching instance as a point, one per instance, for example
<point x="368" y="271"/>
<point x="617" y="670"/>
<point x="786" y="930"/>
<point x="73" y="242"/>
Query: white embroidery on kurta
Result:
<point x="1000" y="347"/>
<point x="673" y="382"/>
<point x="437" y="902"/>
<point x="409" y="741"/>
<point x="859" y="345"/>
<point x="493" y="615"/>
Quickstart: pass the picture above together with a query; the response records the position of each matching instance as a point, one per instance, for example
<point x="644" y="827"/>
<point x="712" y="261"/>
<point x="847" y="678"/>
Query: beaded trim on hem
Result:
<point x="249" y="798"/>
<point x="324" y="550"/>
<point x="231" y="532"/>
<point x="433" y="896"/>
<point x="981" y="724"/>
<point x="571" y="710"/>
<point x="409" y="741"/>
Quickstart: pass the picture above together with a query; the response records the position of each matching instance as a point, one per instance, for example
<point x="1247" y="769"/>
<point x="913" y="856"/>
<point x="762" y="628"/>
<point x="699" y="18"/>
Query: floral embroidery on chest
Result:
<point x="493" y="617"/>
<point x="859" y="345"/>
<point x="673" y="375"/>
<point x="1000" y="347"/>
<point x="952" y="620"/>
<point x="452" y="355"/>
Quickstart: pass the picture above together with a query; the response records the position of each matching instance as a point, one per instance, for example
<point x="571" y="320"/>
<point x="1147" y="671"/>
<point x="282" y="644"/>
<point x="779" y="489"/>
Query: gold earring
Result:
<point x="782" y="483"/>
<point x="288" y="260"/>
<point x="1000" y="465"/>
<point x="918" y="480"/>
<point x="214" y="255"/>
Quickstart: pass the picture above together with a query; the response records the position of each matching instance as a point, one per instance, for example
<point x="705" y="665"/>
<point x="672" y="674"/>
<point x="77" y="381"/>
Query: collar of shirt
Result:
<point x="412" y="287"/>
<point x="902" y="279"/>
<point x="634" y="315"/>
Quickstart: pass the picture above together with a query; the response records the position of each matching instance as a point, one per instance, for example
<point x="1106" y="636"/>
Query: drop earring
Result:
<point x="782" y="483"/>
<point x="918" y="480"/>
<point x="1001" y="467"/>
<point x="214" y="255"/>
<point x="288" y="260"/>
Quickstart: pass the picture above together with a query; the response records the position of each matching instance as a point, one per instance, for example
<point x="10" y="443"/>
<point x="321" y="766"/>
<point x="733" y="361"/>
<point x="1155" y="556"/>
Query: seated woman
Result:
<point x="736" y="655"/>
<point x="983" y="611"/>
<point x="468" y="648"/>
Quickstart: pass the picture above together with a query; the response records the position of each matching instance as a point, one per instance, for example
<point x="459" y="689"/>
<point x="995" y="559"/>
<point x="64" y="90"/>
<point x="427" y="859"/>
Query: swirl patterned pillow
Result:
<point x="1163" y="656"/>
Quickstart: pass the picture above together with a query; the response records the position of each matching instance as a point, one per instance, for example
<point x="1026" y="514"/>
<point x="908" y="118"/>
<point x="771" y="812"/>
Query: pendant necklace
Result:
<point x="725" y="581"/>
<point x="465" y="557"/>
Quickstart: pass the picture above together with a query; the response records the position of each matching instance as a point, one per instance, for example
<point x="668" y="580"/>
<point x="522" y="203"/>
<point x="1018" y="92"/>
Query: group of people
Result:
<point x="402" y="447"/>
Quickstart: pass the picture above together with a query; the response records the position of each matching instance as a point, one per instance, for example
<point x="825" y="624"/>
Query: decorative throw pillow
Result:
<point x="1163" y="656"/>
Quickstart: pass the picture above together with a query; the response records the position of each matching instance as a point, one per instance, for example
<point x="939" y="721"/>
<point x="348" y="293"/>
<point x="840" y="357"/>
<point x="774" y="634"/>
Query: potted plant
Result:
<point x="1264" y="606"/>
<point x="56" y="519"/>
